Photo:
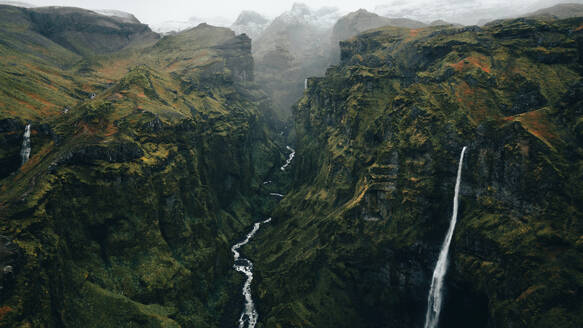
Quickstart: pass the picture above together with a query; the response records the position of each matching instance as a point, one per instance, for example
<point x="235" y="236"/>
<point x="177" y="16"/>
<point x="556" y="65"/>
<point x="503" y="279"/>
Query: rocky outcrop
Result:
<point x="361" y="20"/>
<point x="237" y="54"/>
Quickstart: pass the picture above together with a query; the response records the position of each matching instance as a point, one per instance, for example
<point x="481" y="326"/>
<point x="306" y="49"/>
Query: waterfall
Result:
<point x="435" y="297"/>
<point x="25" y="150"/>
<point x="249" y="315"/>
<point x="290" y="158"/>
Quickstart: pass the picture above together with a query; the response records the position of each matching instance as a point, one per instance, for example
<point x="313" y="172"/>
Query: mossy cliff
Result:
<point x="148" y="161"/>
<point x="355" y="242"/>
<point x="125" y="213"/>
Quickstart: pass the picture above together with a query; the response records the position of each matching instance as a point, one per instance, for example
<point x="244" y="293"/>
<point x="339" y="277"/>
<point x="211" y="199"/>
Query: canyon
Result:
<point x="205" y="179"/>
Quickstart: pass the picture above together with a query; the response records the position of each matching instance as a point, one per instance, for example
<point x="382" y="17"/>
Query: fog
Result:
<point x="223" y="12"/>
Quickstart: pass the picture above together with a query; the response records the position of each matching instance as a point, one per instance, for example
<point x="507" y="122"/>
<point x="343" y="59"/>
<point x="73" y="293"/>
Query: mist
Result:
<point x="224" y="12"/>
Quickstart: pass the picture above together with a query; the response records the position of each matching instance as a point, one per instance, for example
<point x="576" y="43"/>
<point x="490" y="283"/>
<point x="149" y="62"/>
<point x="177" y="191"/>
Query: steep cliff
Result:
<point x="351" y="25"/>
<point x="136" y="188"/>
<point x="355" y="242"/>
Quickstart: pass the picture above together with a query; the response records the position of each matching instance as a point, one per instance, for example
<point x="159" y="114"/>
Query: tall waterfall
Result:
<point x="435" y="297"/>
<point x="249" y="314"/>
<point x="25" y="150"/>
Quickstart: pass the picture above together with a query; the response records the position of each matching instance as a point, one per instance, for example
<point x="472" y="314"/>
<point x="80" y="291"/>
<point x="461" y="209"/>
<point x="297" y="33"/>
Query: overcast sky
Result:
<point x="156" y="11"/>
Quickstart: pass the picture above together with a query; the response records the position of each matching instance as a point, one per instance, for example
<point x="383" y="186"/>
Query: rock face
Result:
<point x="359" y="21"/>
<point x="378" y="142"/>
<point x="125" y="213"/>
<point x="10" y="143"/>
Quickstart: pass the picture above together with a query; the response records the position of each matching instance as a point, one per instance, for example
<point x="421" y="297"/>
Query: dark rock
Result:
<point x="114" y="153"/>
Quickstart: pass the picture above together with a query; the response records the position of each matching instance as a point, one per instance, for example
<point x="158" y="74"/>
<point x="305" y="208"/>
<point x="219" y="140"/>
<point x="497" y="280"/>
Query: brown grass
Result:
<point x="110" y="130"/>
<point x="414" y="33"/>
<point x="528" y="292"/>
<point x="478" y="61"/>
<point x="4" y="311"/>
<point x="537" y="124"/>
<point x="115" y="69"/>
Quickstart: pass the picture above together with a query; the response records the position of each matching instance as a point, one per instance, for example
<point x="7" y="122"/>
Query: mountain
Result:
<point x="135" y="167"/>
<point x="250" y="23"/>
<point x="175" y="26"/>
<point x="83" y="31"/>
<point x="361" y="20"/>
<point x="145" y="164"/>
<point x="122" y="15"/>
<point x="440" y="22"/>
<point x="294" y="45"/>
<point x="355" y="241"/>
<point x="17" y="4"/>
<point x="560" y="11"/>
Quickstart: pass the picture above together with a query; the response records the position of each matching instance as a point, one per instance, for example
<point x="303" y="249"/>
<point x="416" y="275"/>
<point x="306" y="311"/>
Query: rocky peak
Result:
<point x="250" y="23"/>
<point x="303" y="15"/>
<point x="300" y="9"/>
<point x="248" y="17"/>
<point x="361" y="20"/>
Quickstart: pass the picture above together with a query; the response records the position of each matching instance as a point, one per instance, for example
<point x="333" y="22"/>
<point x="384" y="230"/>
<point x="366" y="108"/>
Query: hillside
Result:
<point x="145" y="164"/>
<point x="378" y="142"/>
<point x="560" y="11"/>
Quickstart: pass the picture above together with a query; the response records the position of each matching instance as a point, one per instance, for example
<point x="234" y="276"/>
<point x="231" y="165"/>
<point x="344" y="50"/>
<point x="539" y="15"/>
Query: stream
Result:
<point x="249" y="316"/>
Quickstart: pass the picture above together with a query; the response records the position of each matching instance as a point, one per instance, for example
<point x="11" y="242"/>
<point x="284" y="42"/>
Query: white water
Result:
<point x="434" y="299"/>
<point x="25" y="150"/>
<point x="249" y="315"/>
<point x="290" y="158"/>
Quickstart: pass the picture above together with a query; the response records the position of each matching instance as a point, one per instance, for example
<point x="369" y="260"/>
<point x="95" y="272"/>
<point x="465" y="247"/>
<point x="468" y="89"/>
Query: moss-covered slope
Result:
<point x="125" y="213"/>
<point x="354" y="244"/>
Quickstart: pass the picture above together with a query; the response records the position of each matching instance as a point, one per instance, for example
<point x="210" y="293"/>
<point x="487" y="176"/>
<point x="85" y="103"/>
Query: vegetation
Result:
<point x="125" y="212"/>
<point x="149" y="159"/>
<point x="378" y="142"/>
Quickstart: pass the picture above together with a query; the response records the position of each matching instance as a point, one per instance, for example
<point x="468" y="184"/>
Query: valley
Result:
<point x="291" y="172"/>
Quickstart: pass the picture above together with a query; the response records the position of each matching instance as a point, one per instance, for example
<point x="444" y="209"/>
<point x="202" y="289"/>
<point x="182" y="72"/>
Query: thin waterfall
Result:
<point x="25" y="150"/>
<point x="435" y="297"/>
